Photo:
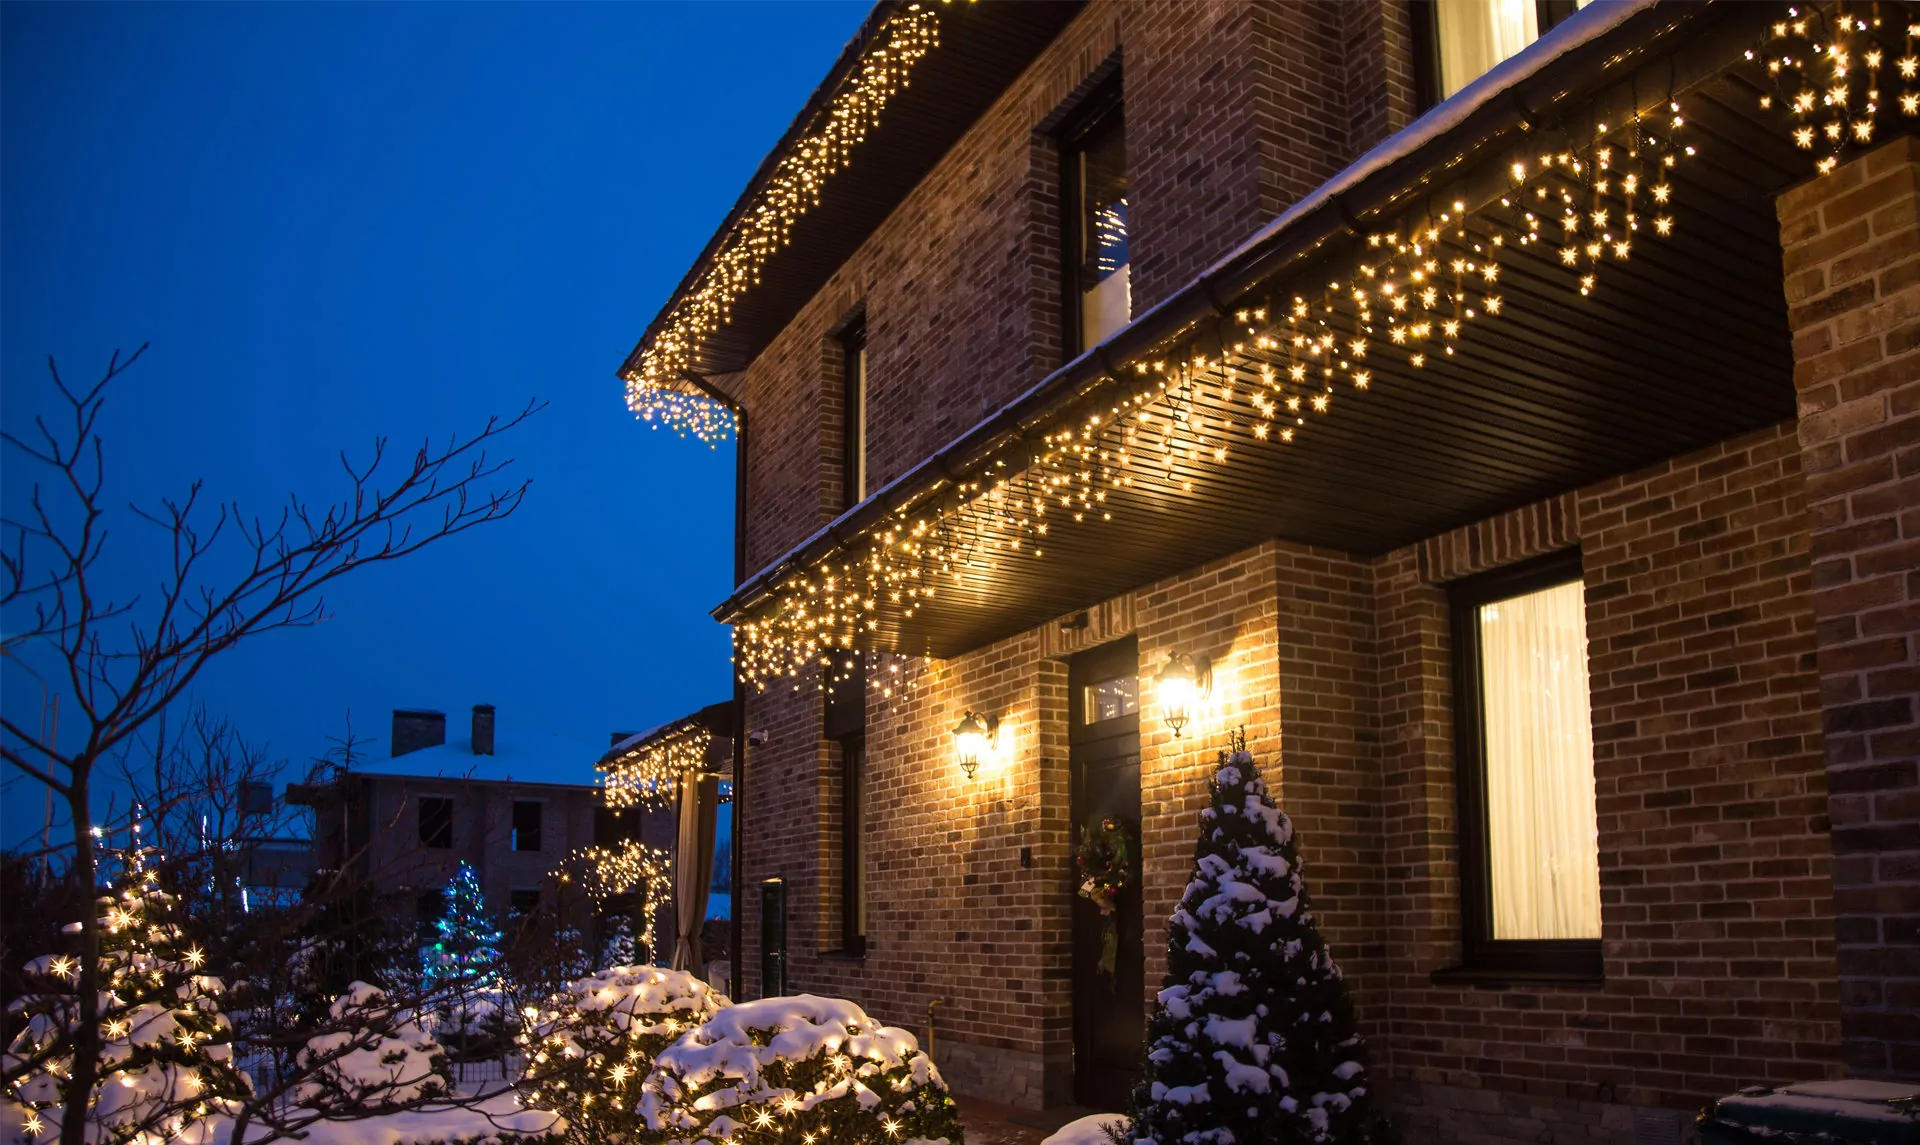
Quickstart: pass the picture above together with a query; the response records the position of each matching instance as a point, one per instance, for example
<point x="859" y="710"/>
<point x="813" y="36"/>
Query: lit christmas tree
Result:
<point x="466" y="950"/>
<point x="165" y="1058"/>
<point x="1253" y="1039"/>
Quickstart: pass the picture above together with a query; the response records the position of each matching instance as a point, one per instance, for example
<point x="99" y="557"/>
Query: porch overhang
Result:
<point x="1680" y="345"/>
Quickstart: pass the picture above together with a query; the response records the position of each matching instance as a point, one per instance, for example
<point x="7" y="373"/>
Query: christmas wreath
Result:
<point x="1105" y="862"/>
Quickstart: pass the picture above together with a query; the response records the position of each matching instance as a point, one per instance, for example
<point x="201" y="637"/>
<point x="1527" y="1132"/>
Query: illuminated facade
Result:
<point x="1525" y="479"/>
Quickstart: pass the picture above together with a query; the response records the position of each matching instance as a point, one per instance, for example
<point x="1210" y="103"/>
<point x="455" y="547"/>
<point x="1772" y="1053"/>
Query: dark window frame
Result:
<point x="845" y="723"/>
<point x="435" y="822"/>
<point x="852" y="336"/>
<point x="1090" y="116"/>
<point x="1482" y="956"/>
<point x="514" y="901"/>
<point x="518" y="832"/>
<point x="1425" y="14"/>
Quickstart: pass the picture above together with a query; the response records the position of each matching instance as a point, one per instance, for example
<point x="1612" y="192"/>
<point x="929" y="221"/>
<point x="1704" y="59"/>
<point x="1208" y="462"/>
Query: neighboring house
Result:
<point x="1532" y="480"/>
<point x="511" y="806"/>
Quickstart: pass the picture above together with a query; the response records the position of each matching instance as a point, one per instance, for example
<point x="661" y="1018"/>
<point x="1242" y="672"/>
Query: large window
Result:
<point x="526" y="824"/>
<point x="1458" y="41"/>
<point x="1094" y="164"/>
<point x="846" y="726"/>
<point x="853" y="345"/>
<point x="436" y="823"/>
<point x="1523" y="717"/>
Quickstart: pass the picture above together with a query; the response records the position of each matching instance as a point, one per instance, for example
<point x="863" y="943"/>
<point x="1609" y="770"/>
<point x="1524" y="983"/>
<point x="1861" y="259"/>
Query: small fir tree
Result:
<point x="1253" y="1039"/>
<point x="166" y="1059"/>
<point x="466" y="949"/>
<point x="616" y="942"/>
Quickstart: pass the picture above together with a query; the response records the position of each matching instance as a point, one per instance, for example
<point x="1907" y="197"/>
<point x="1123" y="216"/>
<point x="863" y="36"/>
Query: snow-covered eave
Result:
<point x="1584" y="55"/>
<point x="716" y="718"/>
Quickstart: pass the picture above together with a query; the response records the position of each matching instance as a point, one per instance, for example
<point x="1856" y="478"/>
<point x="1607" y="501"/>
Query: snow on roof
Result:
<point x="534" y="757"/>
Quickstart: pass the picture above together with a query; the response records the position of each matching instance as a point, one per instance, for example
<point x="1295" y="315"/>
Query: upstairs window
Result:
<point x="526" y="825"/>
<point x="1094" y="162"/>
<point x="1523" y="717"/>
<point x="853" y="346"/>
<point x="1458" y="41"/>
<point x="436" y="823"/>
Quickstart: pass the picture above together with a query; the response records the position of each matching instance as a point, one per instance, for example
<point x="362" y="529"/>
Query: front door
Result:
<point x="1109" y="1017"/>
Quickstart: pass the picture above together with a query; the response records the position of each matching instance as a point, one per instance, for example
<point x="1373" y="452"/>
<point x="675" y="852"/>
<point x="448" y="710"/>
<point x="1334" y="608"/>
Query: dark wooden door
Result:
<point x="1109" y="1017"/>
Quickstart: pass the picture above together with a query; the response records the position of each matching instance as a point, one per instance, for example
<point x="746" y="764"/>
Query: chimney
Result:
<point x="618" y="736"/>
<point x="483" y="729"/>
<point x="415" y="728"/>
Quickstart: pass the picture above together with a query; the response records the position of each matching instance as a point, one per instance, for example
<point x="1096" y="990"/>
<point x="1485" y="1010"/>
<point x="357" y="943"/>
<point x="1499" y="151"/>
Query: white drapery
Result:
<point x="693" y="867"/>
<point x="1542" y="842"/>
<point x="1477" y="34"/>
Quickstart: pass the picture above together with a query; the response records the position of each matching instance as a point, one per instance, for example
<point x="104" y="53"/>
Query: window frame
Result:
<point x="539" y="826"/>
<point x="514" y="897"/>
<point x="420" y="824"/>
<point x="1425" y="18"/>
<point x="852" y="338"/>
<point x="845" y="724"/>
<point x="1090" y="116"/>
<point x="1482" y="955"/>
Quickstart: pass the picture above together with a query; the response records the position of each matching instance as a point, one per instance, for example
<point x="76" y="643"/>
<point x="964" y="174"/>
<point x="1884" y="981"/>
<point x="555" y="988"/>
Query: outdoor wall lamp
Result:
<point x="1183" y="684"/>
<point x="974" y="737"/>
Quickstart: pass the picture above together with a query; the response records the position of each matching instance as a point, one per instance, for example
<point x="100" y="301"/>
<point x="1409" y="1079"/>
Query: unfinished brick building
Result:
<point x="1498" y="411"/>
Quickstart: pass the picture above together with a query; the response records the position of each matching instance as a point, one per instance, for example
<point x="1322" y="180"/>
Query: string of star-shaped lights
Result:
<point x="1828" y="70"/>
<point x="650" y="774"/>
<point x="656" y="390"/>
<point x="1413" y="294"/>
<point x="627" y="867"/>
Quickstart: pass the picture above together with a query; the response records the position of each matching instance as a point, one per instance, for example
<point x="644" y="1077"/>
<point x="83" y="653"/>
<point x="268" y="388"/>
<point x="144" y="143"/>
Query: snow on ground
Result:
<point x="1089" y="1130"/>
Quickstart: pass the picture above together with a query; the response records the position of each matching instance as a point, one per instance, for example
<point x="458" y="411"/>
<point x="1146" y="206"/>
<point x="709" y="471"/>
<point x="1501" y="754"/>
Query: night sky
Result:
<point x="338" y="221"/>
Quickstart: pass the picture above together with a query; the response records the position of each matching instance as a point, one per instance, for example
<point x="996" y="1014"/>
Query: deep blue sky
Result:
<point x="341" y="220"/>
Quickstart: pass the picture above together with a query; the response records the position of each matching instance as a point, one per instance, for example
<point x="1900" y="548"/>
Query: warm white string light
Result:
<point x="657" y="391"/>
<point x="1828" y="70"/>
<point x="651" y="773"/>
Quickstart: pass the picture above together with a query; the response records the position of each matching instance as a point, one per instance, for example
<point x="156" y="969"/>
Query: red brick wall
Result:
<point x="1852" y="262"/>
<point x="1717" y="901"/>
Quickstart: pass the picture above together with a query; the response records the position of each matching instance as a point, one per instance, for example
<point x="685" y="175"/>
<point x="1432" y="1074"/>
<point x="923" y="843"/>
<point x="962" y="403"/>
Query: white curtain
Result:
<point x="1541" y="836"/>
<point x="693" y="867"/>
<point x="1477" y="34"/>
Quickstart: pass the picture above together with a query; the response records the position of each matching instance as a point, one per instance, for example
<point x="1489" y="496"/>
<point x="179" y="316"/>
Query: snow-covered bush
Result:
<point x="165" y="1058"/>
<point x="589" y="1050"/>
<point x="370" y="1057"/>
<point x="1253" y="1038"/>
<point x="797" y="1070"/>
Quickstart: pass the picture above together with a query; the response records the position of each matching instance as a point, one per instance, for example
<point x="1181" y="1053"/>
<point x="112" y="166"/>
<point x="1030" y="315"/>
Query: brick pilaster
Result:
<point x="1852" y="262"/>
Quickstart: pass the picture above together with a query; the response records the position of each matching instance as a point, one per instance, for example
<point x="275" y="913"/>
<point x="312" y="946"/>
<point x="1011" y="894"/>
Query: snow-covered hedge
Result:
<point x="796" y="1070"/>
<point x="373" y="1058"/>
<point x="589" y="1051"/>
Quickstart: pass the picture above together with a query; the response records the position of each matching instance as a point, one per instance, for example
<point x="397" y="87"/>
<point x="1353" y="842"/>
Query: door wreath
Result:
<point x="1105" y="862"/>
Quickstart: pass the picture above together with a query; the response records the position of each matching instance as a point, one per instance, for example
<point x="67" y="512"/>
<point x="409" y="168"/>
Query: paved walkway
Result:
<point x="990" y="1124"/>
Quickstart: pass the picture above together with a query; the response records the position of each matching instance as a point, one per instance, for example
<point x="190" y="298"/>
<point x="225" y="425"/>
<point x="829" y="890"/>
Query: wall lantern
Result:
<point x="973" y="738"/>
<point x="1182" y="685"/>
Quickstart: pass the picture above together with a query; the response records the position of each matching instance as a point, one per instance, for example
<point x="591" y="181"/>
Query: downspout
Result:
<point x="737" y="847"/>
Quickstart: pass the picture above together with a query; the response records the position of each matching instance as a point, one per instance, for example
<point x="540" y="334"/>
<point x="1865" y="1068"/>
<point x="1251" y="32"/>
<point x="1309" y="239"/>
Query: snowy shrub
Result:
<point x="801" y="1070"/>
<point x="589" y="1050"/>
<point x="165" y="1058"/>
<point x="1253" y="1037"/>
<point x="372" y="1057"/>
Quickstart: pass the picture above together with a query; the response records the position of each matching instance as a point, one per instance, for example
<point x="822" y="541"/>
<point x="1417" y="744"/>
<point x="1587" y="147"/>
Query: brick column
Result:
<point x="1852" y="265"/>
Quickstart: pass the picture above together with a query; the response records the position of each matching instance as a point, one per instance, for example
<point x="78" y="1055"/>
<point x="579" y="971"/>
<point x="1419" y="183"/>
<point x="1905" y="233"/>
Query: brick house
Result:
<point x="1532" y="478"/>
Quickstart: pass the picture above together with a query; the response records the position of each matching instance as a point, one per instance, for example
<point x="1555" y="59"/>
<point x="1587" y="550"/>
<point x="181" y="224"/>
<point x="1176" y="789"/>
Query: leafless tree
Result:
<point x="232" y="576"/>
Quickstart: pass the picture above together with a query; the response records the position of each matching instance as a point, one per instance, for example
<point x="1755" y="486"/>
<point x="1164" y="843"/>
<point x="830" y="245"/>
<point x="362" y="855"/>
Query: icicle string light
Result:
<point x="651" y="773"/>
<point x="1832" y="73"/>
<point x="657" y="391"/>
<point x="1413" y="295"/>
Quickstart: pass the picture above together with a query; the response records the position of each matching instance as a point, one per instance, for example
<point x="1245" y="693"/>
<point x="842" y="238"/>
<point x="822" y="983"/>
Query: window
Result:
<point x="436" y="822"/>
<point x="846" y="726"/>
<point x="428" y="909"/>
<point x="526" y="825"/>
<point x="523" y="901"/>
<point x="1110" y="699"/>
<point x="853" y="345"/>
<point x="1530" y="861"/>
<point x="1094" y="165"/>
<point x="1458" y="41"/>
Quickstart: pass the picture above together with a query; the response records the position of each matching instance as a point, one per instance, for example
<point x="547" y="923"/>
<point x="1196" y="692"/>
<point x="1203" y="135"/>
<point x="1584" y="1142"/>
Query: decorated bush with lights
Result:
<point x="797" y="1071"/>
<point x="1253" y="1037"/>
<point x="590" y="1049"/>
<point x="372" y="1057"/>
<point x="165" y="1061"/>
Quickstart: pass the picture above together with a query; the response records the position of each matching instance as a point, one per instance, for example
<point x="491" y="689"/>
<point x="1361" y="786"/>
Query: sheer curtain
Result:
<point x="1477" y="34"/>
<point x="1541" y="836"/>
